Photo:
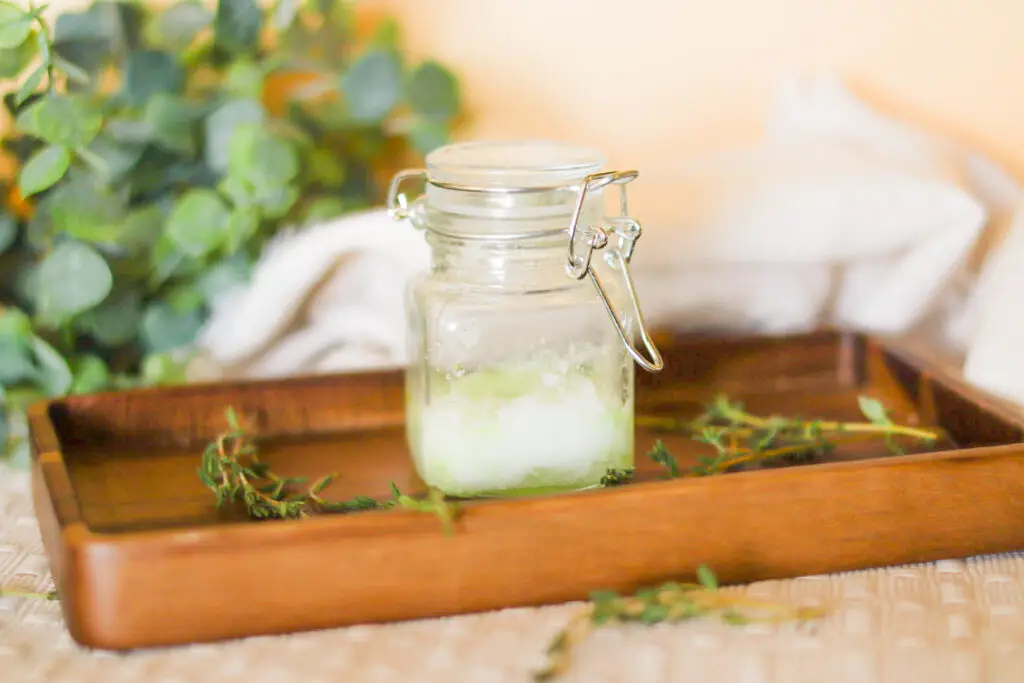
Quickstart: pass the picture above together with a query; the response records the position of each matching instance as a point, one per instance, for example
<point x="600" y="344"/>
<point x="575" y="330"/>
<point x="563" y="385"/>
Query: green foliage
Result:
<point x="159" y="148"/>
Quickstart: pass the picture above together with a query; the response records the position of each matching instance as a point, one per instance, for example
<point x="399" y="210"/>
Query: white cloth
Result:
<point x="329" y="298"/>
<point x="839" y="217"/>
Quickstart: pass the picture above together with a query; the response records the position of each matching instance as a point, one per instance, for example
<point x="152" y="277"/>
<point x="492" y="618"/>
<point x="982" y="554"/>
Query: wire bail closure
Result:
<point x="596" y="238"/>
<point x="577" y="266"/>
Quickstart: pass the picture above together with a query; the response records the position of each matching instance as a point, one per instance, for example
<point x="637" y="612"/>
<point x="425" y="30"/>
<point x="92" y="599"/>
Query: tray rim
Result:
<point x="47" y="449"/>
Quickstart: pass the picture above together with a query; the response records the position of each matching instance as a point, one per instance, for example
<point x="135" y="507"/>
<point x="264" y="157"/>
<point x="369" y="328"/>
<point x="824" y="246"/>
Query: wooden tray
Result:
<point x="141" y="556"/>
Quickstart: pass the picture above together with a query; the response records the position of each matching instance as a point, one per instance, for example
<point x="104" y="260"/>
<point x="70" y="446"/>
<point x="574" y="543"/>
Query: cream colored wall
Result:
<point x="651" y="79"/>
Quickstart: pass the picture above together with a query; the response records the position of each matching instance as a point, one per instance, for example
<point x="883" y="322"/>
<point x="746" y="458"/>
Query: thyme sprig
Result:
<point x="617" y="477"/>
<point x="670" y="602"/>
<point x="31" y="595"/>
<point x="231" y="468"/>
<point x="740" y="437"/>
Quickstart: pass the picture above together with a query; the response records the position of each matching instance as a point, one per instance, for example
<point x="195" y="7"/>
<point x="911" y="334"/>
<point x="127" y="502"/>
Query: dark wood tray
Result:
<point x="142" y="557"/>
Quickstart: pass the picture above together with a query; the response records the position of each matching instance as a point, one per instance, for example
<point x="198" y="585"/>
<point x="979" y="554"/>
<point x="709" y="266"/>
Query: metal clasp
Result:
<point x="398" y="205"/>
<point x="629" y="232"/>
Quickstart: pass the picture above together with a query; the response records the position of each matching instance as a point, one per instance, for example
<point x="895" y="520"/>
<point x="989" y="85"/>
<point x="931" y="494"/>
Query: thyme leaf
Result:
<point x="670" y="602"/>
<point x="616" y="477"/>
<point x="661" y="455"/>
<point x="230" y="467"/>
<point x="739" y="437"/>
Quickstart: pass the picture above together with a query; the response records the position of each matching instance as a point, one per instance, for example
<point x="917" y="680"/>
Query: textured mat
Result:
<point x="949" y="622"/>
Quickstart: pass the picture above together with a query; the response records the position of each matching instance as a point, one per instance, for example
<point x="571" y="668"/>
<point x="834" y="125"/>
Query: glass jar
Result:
<point x="520" y="378"/>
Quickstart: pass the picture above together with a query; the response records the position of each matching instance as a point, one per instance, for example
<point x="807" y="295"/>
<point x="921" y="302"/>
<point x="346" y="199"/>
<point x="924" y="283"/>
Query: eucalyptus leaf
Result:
<point x="86" y="210"/>
<point x="75" y="73"/>
<point x="237" y="25"/>
<point x="30" y="85"/>
<point x="226" y="275"/>
<point x="162" y="368"/>
<point x="72" y="278"/>
<point x="24" y="283"/>
<point x="13" y="60"/>
<point x="178" y="26"/>
<point x="199" y="222"/>
<point x="433" y="91"/>
<point x="8" y="232"/>
<point x="261" y="158"/>
<point x="275" y="202"/>
<point x="387" y="34"/>
<point x="325" y="167"/>
<point x="14" y="324"/>
<point x="52" y="373"/>
<point x="172" y="121"/>
<point x="61" y="120"/>
<point x="373" y="85"/>
<point x="15" y="25"/>
<point x="116" y="320"/>
<point x="241" y="226"/>
<point x="284" y="13"/>
<point x="185" y="298"/>
<point x="90" y="374"/>
<point x="165" y="260"/>
<point x="149" y="72"/>
<point x="43" y="169"/>
<point x="15" y="361"/>
<point x="165" y="329"/>
<point x="89" y="39"/>
<point x="428" y="135"/>
<point x="141" y="229"/>
<point x="129" y="131"/>
<point x="244" y="79"/>
<point x="221" y="125"/>
<point x="116" y="159"/>
<point x="873" y="410"/>
<point x="238" y="192"/>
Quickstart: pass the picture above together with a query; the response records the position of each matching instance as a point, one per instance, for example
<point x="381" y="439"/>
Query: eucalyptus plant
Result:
<point x="155" y="151"/>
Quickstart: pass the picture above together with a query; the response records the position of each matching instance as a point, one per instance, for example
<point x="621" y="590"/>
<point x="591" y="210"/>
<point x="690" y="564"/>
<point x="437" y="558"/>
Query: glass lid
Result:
<point x="512" y="164"/>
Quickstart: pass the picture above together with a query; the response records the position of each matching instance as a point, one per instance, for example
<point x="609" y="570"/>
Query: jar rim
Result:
<point x="513" y="163"/>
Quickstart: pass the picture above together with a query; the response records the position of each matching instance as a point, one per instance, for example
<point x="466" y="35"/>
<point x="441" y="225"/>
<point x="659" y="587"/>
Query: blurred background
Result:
<point x="193" y="189"/>
<point x="650" y="80"/>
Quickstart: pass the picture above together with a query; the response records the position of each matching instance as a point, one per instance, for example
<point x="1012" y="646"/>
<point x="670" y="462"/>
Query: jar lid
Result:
<point x="511" y="191"/>
<point x="531" y="164"/>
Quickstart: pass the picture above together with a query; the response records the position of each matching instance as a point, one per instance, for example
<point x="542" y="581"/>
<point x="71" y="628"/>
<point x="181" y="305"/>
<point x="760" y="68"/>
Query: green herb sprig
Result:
<point x="31" y="595"/>
<point x="670" y="602"/>
<point x="617" y="477"/>
<point x="740" y="437"/>
<point x="231" y="468"/>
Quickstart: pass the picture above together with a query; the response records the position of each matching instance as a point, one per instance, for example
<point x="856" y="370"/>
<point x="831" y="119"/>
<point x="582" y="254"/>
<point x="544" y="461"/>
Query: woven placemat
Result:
<point x="948" y="622"/>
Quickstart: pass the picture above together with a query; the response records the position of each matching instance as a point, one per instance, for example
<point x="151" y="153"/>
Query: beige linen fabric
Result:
<point x="949" y="622"/>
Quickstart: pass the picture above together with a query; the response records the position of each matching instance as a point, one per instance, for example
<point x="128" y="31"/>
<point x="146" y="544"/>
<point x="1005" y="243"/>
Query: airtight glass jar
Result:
<point x="520" y="376"/>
